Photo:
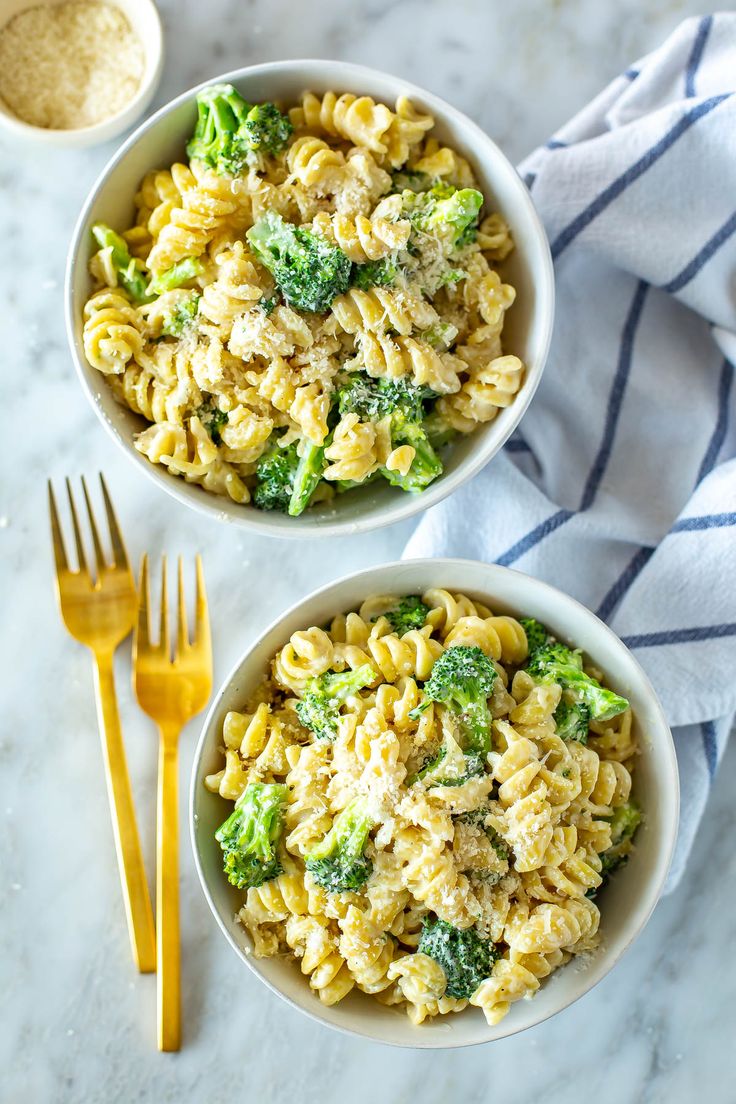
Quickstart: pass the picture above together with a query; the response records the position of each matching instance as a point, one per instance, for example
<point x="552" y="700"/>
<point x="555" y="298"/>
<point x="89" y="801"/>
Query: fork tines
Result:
<point x="201" y="620"/>
<point x="119" y="555"/>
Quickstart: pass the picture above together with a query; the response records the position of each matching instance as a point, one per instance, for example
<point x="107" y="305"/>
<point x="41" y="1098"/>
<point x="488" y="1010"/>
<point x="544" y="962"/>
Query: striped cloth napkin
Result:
<point x="620" y="487"/>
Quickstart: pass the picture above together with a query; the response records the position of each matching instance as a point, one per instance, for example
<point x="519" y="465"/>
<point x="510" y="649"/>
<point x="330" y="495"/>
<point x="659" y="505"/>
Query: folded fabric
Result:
<point x="620" y="487"/>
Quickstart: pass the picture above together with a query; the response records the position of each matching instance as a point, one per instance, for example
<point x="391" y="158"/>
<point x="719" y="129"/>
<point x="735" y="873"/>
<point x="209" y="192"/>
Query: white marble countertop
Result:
<point x="76" y="1022"/>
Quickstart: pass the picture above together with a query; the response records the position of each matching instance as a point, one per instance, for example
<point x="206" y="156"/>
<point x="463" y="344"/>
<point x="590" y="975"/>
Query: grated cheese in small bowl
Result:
<point x="78" y="65"/>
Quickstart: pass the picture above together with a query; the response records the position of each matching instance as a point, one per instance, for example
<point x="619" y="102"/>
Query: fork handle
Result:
<point x="167" y="892"/>
<point x="127" y="844"/>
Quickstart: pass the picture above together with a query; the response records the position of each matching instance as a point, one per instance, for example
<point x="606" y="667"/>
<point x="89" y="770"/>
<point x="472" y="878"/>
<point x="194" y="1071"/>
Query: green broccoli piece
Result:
<point x="439" y="433"/>
<point x="275" y="473"/>
<point x="268" y="304"/>
<point x="402" y="401"/>
<point x="213" y="419"/>
<point x="448" y="212"/>
<point x="572" y="721"/>
<point x="410" y="180"/>
<point x="182" y="317"/>
<point x="426" y="465"/>
<point x="374" y="399"/>
<point x="309" y="270"/>
<point x="319" y="708"/>
<point x="439" y="770"/>
<point x="440" y="336"/>
<point x="479" y="817"/>
<point x="266" y="129"/>
<point x="449" y="765"/>
<point x="230" y="133"/>
<point x="374" y="274"/>
<point x="338" y="863"/>
<point x="536" y="634"/>
<point x="306" y="477"/>
<point x="409" y="613"/>
<point x="624" y="822"/>
<point x="180" y="273"/>
<point x="462" y="679"/>
<point x="218" y="140"/>
<point x="250" y="835"/>
<point x="128" y="270"/>
<point x="465" y="956"/>
<point x="554" y="662"/>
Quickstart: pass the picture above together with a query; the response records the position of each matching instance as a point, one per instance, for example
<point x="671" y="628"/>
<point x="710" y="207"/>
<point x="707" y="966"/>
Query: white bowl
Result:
<point x="626" y="903"/>
<point x="161" y="140"/>
<point x="145" y="23"/>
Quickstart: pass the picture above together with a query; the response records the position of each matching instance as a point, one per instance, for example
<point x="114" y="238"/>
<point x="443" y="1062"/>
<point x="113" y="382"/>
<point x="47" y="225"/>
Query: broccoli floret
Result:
<point x="624" y="822"/>
<point x="410" y="180"/>
<point x="229" y="132"/>
<point x="319" y="708"/>
<point x="374" y="274"/>
<point x="449" y="765"/>
<point x="439" y="433"/>
<point x="440" y="336"/>
<point x="128" y="270"/>
<point x="374" y="399"/>
<point x="444" y="769"/>
<point x="426" y="465"/>
<point x="479" y="817"/>
<point x="213" y="419"/>
<point x="465" y="956"/>
<point x="402" y="401"/>
<point x="266" y="129"/>
<point x="268" y="303"/>
<point x="462" y="679"/>
<point x="536" y="634"/>
<point x="180" y="273"/>
<point x="182" y="317"/>
<point x="572" y="721"/>
<point x="218" y="140"/>
<point x="554" y="662"/>
<point x="409" y="613"/>
<point x="309" y="270"/>
<point x="250" y="835"/>
<point x="338" y="863"/>
<point x="275" y="473"/>
<point x="306" y="477"/>
<point x="451" y="213"/>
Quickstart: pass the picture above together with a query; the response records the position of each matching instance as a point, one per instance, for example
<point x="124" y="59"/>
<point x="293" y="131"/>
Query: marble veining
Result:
<point x="77" y="1024"/>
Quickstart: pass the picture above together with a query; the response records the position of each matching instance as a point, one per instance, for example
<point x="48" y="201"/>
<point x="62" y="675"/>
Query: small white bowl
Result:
<point x="626" y="903"/>
<point x="144" y="20"/>
<point x="527" y="332"/>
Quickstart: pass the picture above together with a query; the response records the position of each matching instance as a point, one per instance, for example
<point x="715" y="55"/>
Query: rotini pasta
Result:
<point x="444" y="827"/>
<point x="317" y="293"/>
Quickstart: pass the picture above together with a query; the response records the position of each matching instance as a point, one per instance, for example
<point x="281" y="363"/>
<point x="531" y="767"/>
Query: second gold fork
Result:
<point x="171" y="692"/>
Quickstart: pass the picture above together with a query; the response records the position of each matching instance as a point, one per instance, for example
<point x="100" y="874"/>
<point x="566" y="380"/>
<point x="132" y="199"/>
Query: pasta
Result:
<point x="315" y="292"/>
<point x="409" y="810"/>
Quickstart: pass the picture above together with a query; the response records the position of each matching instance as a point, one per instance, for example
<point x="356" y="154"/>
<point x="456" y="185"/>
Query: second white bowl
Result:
<point x="527" y="331"/>
<point x="626" y="903"/>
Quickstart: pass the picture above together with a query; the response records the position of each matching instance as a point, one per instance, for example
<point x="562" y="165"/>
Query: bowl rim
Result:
<point x="407" y="505"/>
<point x="108" y="128"/>
<point x="653" y="888"/>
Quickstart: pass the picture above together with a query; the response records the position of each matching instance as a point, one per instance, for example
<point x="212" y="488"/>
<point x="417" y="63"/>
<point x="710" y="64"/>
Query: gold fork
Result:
<point x="100" y="613"/>
<point x="171" y="692"/>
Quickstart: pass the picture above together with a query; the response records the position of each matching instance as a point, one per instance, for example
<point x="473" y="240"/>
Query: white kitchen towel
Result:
<point x="620" y="486"/>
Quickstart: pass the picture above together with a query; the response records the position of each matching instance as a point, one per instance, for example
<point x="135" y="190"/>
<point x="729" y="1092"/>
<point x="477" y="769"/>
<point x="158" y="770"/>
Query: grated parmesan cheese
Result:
<point x="70" y="65"/>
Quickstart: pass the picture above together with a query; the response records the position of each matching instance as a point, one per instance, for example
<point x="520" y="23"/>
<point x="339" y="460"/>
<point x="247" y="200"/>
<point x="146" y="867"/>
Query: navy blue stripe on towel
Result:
<point x="696" y="54"/>
<point x="680" y="636"/>
<point x="605" y="198"/>
<point x="721" y="427"/>
<point x="710" y="747"/>
<point x="691" y="270"/>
